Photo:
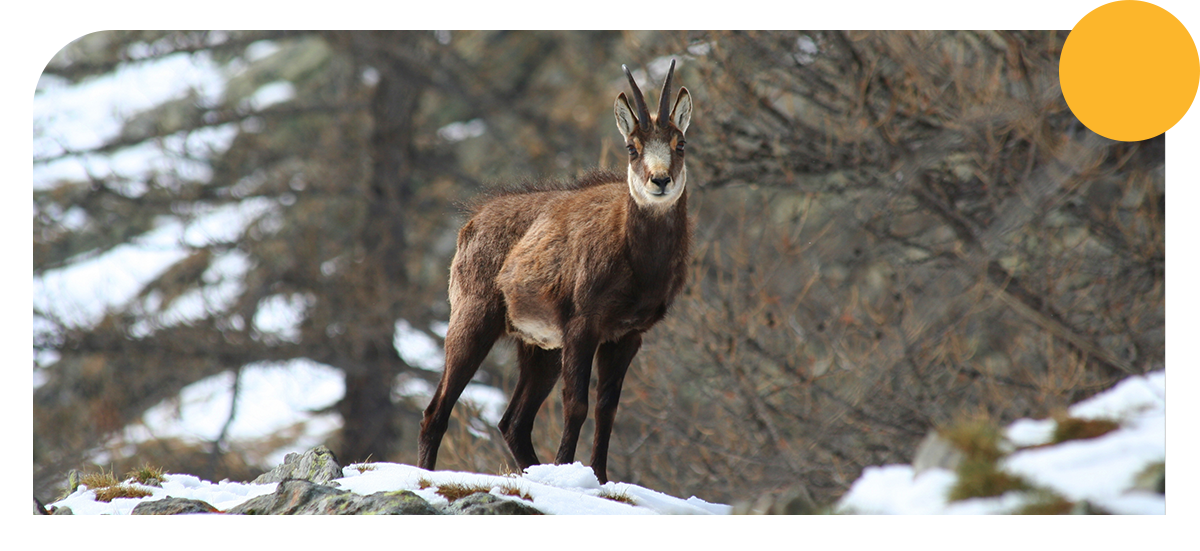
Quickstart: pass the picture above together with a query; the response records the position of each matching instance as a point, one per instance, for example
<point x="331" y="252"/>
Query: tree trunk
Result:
<point x="370" y="428"/>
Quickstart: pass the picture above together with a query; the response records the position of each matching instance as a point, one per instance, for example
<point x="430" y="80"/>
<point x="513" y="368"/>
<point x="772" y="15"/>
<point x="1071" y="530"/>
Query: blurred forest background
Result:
<point x="893" y="229"/>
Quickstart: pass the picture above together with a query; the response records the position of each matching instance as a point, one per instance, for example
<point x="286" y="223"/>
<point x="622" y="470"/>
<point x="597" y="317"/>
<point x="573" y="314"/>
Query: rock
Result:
<point x="40" y="509"/>
<point x="936" y="452"/>
<point x="317" y="465"/>
<point x="793" y="501"/>
<point x="173" y="506"/>
<point x="1152" y="479"/>
<point x="301" y="497"/>
<point x="289" y="497"/>
<point x="400" y="502"/>
<point x="483" y="503"/>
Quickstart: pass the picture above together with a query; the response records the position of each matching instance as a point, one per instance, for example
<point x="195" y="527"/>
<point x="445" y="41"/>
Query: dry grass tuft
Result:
<point x="1048" y="504"/>
<point x="509" y="471"/>
<point x="95" y="481"/>
<point x="977" y="437"/>
<point x="363" y="467"/>
<point x="121" y="490"/>
<point x="147" y="475"/>
<point x="1070" y="428"/>
<point x="515" y="491"/>
<point x="454" y="491"/>
<point x="981" y="478"/>
<point x="620" y="497"/>
<point x="108" y="488"/>
<point x="978" y="475"/>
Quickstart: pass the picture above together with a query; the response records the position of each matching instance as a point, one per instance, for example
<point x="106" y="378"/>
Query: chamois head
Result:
<point x="656" y="172"/>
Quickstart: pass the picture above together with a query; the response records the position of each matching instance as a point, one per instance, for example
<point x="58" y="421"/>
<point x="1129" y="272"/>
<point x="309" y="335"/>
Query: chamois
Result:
<point x="575" y="273"/>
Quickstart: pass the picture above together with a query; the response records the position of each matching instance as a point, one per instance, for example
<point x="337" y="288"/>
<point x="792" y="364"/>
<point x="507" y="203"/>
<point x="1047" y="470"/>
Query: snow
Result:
<point x="490" y="401"/>
<point x="279" y="316"/>
<point x="554" y="489"/>
<point x="1129" y="397"/>
<point x="893" y="489"/>
<point x="273" y="397"/>
<point x="416" y="348"/>
<point x="222" y="283"/>
<point x="83" y="116"/>
<point x="82" y="291"/>
<point x="221" y="495"/>
<point x="276" y="397"/>
<point x="271" y="94"/>
<point x="1026" y="433"/>
<point x="261" y="49"/>
<point x="1100" y="470"/>
<point x="459" y="131"/>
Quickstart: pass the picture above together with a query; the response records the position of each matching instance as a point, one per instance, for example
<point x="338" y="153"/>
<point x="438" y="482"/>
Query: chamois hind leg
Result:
<point x="612" y="362"/>
<point x="579" y="349"/>
<point x="474" y="328"/>
<point x="539" y="372"/>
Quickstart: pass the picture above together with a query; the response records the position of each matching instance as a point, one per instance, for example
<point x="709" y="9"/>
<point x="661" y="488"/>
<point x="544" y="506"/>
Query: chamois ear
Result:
<point x="681" y="115"/>
<point x="625" y="117"/>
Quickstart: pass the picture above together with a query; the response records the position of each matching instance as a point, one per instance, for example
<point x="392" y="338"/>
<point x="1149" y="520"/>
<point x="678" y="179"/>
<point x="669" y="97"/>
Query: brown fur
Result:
<point x="576" y="273"/>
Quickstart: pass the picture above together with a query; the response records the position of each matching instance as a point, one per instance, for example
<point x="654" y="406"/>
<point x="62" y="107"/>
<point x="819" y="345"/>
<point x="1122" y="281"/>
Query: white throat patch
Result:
<point x="639" y="190"/>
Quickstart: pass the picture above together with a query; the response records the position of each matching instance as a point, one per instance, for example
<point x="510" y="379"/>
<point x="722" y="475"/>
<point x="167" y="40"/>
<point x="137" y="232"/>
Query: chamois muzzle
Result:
<point x="662" y="182"/>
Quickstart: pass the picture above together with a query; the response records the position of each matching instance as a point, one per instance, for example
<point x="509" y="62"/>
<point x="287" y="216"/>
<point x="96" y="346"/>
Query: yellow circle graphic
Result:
<point x="1129" y="70"/>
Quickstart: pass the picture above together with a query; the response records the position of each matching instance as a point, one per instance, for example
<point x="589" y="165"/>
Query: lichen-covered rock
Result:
<point x="301" y="497"/>
<point x="289" y="497"/>
<point x="173" y="506"/>
<point x="400" y="502"/>
<point x="483" y="503"/>
<point x="40" y="509"/>
<point x="317" y="465"/>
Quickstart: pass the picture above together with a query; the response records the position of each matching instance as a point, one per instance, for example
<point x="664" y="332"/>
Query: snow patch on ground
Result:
<point x="222" y="495"/>
<point x="554" y="489"/>
<point x="272" y="397"/>
<point x="1100" y="470"/>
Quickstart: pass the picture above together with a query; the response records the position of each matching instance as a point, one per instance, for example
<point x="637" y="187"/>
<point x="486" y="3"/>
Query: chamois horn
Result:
<point x="639" y="101"/>
<point x="664" y="99"/>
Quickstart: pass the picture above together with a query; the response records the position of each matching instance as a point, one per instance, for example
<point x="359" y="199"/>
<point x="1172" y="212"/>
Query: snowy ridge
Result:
<point x="221" y="495"/>
<point x="555" y="489"/>
<point x="1099" y="470"/>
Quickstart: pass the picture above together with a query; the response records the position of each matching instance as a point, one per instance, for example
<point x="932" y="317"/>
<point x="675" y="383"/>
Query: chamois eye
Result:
<point x="632" y="150"/>
<point x="679" y="146"/>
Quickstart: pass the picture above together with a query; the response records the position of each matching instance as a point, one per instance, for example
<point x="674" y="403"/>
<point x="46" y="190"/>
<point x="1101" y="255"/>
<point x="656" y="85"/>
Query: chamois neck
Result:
<point x="655" y="237"/>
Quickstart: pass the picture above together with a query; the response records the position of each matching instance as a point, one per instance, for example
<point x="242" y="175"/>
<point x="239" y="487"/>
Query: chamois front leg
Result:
<point x="612" y="362"/>
<point x="580" y="339"/>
